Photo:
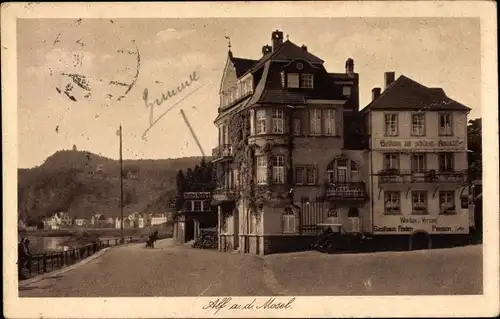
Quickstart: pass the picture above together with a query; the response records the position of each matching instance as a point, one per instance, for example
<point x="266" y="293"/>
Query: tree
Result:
<point x="197" y="174"/>
<point x="74" y="147"/>
<point x="474" y="143"/>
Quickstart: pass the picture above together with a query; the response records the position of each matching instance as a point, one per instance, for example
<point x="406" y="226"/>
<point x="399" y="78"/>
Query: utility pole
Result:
<point x="121" y="187"/>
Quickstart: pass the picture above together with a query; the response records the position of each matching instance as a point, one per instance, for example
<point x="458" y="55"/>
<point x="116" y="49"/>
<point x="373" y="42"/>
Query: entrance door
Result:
<point x="189" y="230"/>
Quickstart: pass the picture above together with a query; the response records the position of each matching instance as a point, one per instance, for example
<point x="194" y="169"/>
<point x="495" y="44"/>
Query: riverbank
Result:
<point x="164" y="231"/>
<point x="47" y="241"/>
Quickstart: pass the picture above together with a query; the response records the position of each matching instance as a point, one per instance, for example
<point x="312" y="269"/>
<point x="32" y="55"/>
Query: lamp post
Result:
<point x="121" y="186"/>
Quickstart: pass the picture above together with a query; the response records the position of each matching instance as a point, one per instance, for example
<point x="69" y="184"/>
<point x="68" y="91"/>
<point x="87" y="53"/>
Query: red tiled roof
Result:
<point x="405" y="93"/>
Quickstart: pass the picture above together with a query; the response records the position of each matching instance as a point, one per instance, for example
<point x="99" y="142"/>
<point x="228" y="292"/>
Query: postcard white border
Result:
<point x="404" y="306"/>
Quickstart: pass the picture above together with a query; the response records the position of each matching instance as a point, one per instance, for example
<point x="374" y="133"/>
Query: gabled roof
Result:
<point x="242" y="65"/>
<point x="286" y="52"/>
<point x="405" y="93"/>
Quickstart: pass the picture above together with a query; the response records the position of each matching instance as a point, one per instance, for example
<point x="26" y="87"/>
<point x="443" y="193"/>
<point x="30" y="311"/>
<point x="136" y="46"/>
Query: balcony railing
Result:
<point x="222" y="151"/>
<point x="422" y="176"/>
<point x="224" y="193"/>
<point x="341" y="191"/>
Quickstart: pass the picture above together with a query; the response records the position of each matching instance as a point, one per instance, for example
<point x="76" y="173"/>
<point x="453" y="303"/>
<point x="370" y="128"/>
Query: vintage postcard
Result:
<point x="250" y="159"/>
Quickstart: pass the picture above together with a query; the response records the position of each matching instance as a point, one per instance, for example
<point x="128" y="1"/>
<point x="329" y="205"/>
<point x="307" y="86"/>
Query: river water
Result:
<point x="39" y="245"/>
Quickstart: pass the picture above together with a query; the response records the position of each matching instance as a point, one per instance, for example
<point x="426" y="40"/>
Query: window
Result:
<point x="311" y="176"/>
<point x="261" y="122"/>
<point x="224" y="135"/>
<point x="288" y="221"/>
<point x="278" y="169"/>
<point x="419" y="202"/>
<point x="446" y="162"/>
<point x="329" y="125"/>
<point x="262" y="170"/>
<point x="299" y="175"/>
<point x="315" y="118"/>
<point x="418" y="162"/>
<point x="252" y="122"/>
<point x="445" y="124"/>
<point x="342" y="170"/>
<point x="391" y="161"/>
<point x="197" y="205"/>
<point x="391" y="124"/>
<point x="282" y="79"/>
<point x="418" y="124"/>
<point x="307" y="80"/>
<point x="278" y="121"/>
<point x="447" y="202"/>
<point x="392" y="203"/>
<point x="346" y="91"/>
<point x="296" y="127"/>
<point x="292" y="80"/>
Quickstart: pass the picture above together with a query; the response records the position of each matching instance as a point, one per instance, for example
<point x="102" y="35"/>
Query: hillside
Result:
<point x="82" y="183"/>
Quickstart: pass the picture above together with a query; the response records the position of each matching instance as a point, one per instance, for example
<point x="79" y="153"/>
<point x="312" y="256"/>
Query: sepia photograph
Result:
<point x="250" y="163"/>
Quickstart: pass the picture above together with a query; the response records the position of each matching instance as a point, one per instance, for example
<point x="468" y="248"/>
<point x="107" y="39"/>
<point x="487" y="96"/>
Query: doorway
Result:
<point x="189" y="230"/>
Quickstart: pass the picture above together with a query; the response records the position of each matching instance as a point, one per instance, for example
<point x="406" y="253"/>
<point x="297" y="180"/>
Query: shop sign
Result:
<point x="197" y="195"/>
<point x="456" y="224"/>
<point x="420" y="144"/>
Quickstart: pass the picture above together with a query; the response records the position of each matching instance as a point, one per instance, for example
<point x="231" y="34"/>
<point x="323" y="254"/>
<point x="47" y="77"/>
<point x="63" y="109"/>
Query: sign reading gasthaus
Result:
<point x="404" y="225"/>
<point x="428" y="144"/>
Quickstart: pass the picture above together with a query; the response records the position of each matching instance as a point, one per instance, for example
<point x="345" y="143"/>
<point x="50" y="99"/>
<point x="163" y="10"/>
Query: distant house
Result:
<point x="57" y="221"/>
<point x="80" y="222"/>
<point x="65" y="219"/>
<point x="132" y="175"/>
<point x="127" y="223"/>
<point x="98" y="220"/>
<point x="159" y="219"/>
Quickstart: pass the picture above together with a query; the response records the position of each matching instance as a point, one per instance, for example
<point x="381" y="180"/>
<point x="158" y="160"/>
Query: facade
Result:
<point x="290" y="155"/>
<point x="196" y="213"/>
<point x="418" y="163"/>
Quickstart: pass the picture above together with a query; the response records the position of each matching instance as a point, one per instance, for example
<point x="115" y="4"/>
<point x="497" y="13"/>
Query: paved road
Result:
<point x="170" y="270"/>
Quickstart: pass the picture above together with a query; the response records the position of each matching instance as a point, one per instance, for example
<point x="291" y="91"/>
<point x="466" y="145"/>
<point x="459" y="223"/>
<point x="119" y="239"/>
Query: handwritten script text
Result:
<point x="227" y="303"/>
<point x="193" y="77"/>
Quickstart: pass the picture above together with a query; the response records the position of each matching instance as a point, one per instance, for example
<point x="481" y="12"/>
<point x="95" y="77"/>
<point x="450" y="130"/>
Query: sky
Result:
<point x="436" y="52"/>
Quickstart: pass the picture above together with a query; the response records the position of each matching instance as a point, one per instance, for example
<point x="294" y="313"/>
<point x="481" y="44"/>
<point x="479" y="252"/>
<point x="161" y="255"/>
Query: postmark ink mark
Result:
<point x="88" y="80"/>
<point x="192" y="132"/>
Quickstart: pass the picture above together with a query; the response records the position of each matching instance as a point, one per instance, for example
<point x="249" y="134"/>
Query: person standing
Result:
<point x="21" y="259"/>
<point x="27" y="255"/>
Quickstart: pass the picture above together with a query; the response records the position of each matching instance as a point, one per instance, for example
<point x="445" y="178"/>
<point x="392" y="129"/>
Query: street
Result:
<point x="174" y="270"/>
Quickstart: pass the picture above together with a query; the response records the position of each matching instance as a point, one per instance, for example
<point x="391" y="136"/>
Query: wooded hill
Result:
<point x="84" y="183"/>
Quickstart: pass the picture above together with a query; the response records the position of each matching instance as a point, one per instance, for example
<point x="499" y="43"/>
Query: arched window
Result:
<point x="288" y="221"/>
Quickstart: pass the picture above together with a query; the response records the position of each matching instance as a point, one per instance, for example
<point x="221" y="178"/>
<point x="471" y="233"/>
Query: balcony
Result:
<point x="224" y="193"/>
<point x="424" y="176"/>
<point x="345" y="192"/>
<point x="222" y="152"/>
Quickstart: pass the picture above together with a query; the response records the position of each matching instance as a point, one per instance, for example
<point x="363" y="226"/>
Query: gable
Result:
<point x="228" y="76"/>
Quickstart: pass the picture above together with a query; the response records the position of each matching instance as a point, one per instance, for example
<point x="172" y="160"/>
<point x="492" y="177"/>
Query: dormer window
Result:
<point x="293" y="80"/>
<point x="302" y="80"/>
<point x="306" y="80"/>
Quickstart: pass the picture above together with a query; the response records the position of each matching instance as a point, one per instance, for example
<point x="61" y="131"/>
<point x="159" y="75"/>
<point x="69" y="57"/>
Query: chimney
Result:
<point x="389" y="78"/>
<point x="375" y="93"/>
<point x="304" y="47"/>
<point x="277" y="38"/>
<point x="266" y="49"/>
<point x="349" y="66"/>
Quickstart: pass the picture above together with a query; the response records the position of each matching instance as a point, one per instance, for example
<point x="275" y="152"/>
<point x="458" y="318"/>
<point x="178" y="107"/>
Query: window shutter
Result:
<point x="252" y="122"/>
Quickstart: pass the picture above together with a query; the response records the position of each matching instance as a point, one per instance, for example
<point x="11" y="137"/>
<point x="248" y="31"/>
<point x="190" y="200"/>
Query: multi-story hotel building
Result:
<point x="417" y="162"/>
<point x="284" y="164"/>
